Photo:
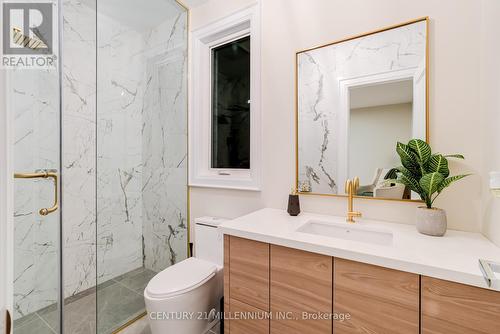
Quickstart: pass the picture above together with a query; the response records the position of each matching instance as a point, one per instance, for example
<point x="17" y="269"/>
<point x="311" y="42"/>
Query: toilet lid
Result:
<point x="180" y="278"/>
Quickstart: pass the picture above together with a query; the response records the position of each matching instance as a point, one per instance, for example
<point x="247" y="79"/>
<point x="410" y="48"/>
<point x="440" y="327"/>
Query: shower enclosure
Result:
<point x="109" y="122"/>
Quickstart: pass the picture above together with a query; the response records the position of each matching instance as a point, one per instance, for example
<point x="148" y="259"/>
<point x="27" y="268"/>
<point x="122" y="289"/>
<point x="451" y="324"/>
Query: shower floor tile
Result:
<point x="34" y="325"/>
<point x="119" y="301"/>
<point x="136" y="280"/>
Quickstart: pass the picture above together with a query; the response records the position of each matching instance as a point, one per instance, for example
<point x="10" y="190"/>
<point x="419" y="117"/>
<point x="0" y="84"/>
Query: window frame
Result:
<point x="216" y="44"/>
<point x="201" y="174"/>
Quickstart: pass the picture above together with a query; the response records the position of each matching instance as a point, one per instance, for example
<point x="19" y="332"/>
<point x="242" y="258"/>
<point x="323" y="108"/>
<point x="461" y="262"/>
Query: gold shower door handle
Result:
<point x="43" y="175"/>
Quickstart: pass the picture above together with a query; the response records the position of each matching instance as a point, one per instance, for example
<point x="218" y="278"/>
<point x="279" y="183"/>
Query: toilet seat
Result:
<point x="180" y="278"/>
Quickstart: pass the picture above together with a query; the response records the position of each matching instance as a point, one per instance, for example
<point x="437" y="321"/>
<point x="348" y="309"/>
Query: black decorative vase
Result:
<point x="293" y="205"/>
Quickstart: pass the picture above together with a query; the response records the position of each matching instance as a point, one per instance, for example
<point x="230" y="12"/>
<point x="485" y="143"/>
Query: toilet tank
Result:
<point x="208" y="241"/>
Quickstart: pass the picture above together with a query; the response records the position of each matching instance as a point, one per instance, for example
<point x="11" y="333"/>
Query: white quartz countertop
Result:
<point x="454" y="257"/>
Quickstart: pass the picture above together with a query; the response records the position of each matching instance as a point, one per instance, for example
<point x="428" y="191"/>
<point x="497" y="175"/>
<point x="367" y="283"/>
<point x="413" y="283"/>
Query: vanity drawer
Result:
<point x="256" y="321"/>
<point x="379" y="300"/>
<point x="449" y="307"/>
<point x="300" y="282"/>
<point x="249" y="272"/>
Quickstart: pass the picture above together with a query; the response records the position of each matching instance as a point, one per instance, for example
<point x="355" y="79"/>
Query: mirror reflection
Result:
<point x="355" y="100"/>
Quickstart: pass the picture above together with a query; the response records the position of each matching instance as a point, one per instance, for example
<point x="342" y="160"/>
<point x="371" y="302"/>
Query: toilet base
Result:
<point x="190" y="313"/>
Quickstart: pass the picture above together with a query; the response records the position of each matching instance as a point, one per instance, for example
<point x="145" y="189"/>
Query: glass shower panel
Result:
<point x="141" y="151"/>
<point x="79" y="165"/>
<point x="33" y="105"/>
<point x="34" y="100"/>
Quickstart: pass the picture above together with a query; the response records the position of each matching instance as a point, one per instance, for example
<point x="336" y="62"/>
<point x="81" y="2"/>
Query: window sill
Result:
<point x="240" y="181"/>
<point x="218" y="185"/>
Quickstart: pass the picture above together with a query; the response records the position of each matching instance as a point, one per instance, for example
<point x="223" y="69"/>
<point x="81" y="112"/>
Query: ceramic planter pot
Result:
<point x="431" y="221"/>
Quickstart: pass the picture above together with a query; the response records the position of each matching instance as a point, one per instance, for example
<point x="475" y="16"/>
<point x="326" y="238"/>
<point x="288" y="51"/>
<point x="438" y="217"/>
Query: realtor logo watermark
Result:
<point x="28" y="34"/>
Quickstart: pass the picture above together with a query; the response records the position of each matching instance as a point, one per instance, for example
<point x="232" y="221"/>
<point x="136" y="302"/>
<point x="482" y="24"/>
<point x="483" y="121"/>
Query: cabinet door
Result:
<point x="452" y="308"/>
<point x="246" y="319"/>
<point x="249" y="272"/>
<point x="300" y="282"/>
<point x="377" y="299"/>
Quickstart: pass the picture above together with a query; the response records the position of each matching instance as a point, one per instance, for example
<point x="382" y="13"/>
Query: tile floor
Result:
<point x="118" y="301"/>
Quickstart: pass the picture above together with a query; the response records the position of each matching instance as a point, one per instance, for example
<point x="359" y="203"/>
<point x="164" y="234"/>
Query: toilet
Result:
<point x="185" y="298"/>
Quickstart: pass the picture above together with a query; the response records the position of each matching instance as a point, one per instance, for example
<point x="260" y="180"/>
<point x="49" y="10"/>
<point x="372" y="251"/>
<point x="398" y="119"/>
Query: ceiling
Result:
<point x="138" y="15"/>
<point x="382" y="94"/>
<point x="192" y="3"/>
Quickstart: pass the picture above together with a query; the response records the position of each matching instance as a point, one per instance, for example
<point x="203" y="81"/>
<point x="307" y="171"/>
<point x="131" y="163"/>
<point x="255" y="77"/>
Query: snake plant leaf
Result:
<point x="448" y="181"/>
<point x="456" y="156"/>
<point x="430" y="183"/>
<point x="422" y="149"/>
<point x="438" y="163"/>
<point x="408" y="158"/>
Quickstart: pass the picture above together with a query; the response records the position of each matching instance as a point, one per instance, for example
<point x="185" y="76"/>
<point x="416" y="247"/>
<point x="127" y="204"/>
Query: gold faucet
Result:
<point x="351" y="188"/>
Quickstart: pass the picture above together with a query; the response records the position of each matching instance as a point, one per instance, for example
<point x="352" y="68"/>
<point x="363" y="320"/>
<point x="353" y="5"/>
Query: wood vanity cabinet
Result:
<point x="246" y="285"/>
<point x="453" y="308"/>
<point x="249" y="272"/>
<point x="300" y="282"/>
<point x="278" y="281"/>
<point x="275" y="285"/>
<point x="256" y="325"/>
<point x="378" y="300"/>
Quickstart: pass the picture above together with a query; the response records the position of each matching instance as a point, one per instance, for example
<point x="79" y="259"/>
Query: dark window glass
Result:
<point x="231" y="105"/>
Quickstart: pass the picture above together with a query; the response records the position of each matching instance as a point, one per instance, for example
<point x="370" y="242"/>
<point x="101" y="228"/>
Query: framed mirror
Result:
<point x="355" y="99"/>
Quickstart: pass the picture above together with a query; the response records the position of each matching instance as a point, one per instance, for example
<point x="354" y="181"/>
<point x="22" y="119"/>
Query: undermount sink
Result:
<point x="354" y="232"/>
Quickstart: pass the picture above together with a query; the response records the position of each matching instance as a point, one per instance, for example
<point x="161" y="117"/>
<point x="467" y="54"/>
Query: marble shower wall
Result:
<point x="119" y="160"/>
<point x="140" y="128"/>
<point x="142" y="141"/>
<point x="319" y="74"/>
<point x="78" y="147"/>
<point x="164" y="145"/>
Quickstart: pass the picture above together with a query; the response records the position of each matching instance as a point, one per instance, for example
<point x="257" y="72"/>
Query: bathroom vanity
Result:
<point x="318" y="274"/>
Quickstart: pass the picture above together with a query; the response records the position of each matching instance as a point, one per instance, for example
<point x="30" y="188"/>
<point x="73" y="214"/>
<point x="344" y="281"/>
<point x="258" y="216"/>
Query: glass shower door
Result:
<point x="32" y="104"/>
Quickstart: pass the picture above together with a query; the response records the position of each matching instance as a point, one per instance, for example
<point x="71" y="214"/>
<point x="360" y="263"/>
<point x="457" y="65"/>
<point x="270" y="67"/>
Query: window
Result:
<point x="231" y="105"/>
<point x="224" y="141"/>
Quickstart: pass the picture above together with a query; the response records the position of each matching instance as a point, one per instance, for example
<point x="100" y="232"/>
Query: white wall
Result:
<point x="291" y="25"/>
<point x="220" y="202"/>
<point x="490" y="88"/>
<point x="373" y="132"/>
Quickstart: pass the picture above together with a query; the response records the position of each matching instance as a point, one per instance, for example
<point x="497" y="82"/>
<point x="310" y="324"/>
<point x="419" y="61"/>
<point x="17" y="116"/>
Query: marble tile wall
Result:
<point x="78" y="147"/>
<point x="164" y="145"/>
<point x="119" y="159"/>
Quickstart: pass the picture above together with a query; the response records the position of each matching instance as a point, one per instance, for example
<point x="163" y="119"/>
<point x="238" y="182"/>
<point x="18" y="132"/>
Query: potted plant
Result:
<point x="428" y="175"/>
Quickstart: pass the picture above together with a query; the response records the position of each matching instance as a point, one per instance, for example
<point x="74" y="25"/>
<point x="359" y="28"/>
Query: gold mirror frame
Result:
<point x="427" y="135"/>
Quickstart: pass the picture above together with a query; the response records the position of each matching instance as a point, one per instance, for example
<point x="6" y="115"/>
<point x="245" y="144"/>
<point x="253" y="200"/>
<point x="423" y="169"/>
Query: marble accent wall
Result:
<point x="119" y="159"/>
<point x="319" y="98"/>
<point x="164" y="145"/>
<point x="142" y="136"/>
<point x="78" y="147"/>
